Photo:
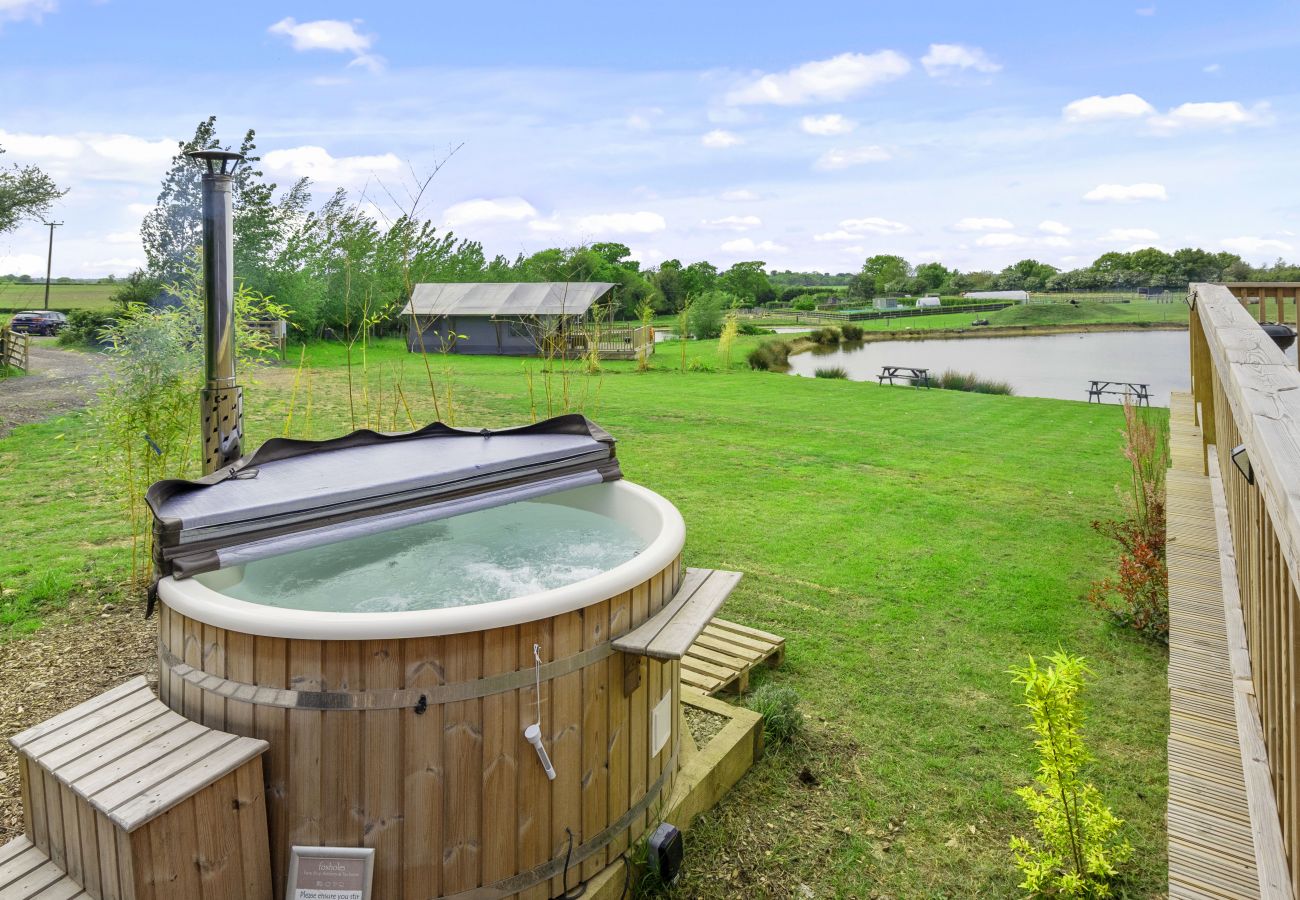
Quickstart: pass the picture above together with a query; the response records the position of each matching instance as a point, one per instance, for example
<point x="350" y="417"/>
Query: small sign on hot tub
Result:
<point x="330" y="873"/>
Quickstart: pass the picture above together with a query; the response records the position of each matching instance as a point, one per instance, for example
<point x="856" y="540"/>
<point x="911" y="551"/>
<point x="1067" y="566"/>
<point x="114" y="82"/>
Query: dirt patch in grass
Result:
<point x="58" y="381"/>
<point x="87" y="649"/>
<point x="704" y="725"/>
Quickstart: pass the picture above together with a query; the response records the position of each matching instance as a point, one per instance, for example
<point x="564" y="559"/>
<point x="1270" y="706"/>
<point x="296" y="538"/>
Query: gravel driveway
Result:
<point x="58" y="381"/>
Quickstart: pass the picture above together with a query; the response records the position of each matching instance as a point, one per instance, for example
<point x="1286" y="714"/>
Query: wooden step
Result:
<point x="724" y="655"/>
<point x="128" y="799"/>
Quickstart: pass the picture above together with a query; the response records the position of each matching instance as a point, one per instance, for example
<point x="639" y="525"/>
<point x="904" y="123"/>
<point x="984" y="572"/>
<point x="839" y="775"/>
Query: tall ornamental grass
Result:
<point x="147" y="406"/>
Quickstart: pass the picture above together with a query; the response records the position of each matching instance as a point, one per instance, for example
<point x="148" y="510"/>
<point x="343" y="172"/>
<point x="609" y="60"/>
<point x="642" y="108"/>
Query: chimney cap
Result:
<point x="216" y="160"/>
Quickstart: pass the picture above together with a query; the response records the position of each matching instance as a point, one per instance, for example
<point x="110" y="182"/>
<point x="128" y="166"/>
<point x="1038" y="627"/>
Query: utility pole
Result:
<point x="49" y="260"/>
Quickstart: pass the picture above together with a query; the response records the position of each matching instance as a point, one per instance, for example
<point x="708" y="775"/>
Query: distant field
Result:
<point x="63" y="297"/>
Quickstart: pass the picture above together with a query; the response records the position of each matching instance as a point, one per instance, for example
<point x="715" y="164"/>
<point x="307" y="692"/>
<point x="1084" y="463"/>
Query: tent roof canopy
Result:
<point x="547" y="298"/>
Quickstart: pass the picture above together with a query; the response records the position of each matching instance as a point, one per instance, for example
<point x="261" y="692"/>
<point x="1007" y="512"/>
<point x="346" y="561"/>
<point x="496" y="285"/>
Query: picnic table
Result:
<point x="1141" y="393"/>
<point x="910" y="372"/>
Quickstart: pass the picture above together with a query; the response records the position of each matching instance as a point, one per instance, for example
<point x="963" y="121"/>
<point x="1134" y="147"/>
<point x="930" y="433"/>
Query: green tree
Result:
<point x="173" y="230"/>
<point x="887" y="273"/>
<point x="747" y="282"/>
<point x="699" y="277"/>
<point x="932" y="276"/>
<point x="1026" y="275"/>
<point x="26" y="194"/>
<point x="707" y="312"/>
<point x="671" y="283"/>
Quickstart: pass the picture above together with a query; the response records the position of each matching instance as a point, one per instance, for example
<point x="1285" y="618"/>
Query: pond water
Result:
<point x="1058" y="365"/>
<point x="477" y="557"/>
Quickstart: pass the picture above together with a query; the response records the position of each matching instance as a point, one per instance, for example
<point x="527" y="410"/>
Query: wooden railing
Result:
<point x="1247" y="398"/>
<point x="612" y="341"/>
<point x="14" y="349"/>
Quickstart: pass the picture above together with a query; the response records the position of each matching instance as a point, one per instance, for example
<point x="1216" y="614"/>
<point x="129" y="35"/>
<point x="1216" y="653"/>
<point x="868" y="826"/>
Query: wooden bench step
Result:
<point x="669" y="633"/>
<point x="28" y="874"/>
<point x="128" y="799"/>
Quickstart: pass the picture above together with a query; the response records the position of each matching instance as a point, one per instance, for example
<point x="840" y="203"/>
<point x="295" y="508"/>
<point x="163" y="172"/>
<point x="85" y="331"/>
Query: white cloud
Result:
<point x="1098" y="108"/>
<point x="88" y="155"/>
<point x="333" y="35"/>
<point x="1001" y="240"/>
<point x="1256" y="247"/>
<point x="1227" y="114"/>
<point x="622" y="223"/>
<point x="739" y="195"/>
<point x="38" y="146"/>
<point x="1131" y="234"/>
<point x="948" y="59"/>
<point x="856" y="250"/>
<point x="734" y="223"/>
<point x="317" y="164"/>
<point x="545" y="226"/>
<point x="482" y="210"/>
<point x="823" y="80"/>
<point x="827" y="125"/>
<point x="1212" y="69"/>
<point x="1126" y="193"/>
<point x="1145" y="11"/>
<point x="133" y="150"/>
<point x="747" y="245"/>
<point x="22" y="264"/>
<point x="874" y="225"/>
<point x="323" y="34"/>
<point x="1055" y="240"/>
<point x="977" y="223"/>
<point x="122" y="237"/>
<point x="25" y="10"/>
<point x="840" y="235"/>
<point x="843" y="158"/>
<point x="1051" y="226"/>
<point x="719" y="138"/>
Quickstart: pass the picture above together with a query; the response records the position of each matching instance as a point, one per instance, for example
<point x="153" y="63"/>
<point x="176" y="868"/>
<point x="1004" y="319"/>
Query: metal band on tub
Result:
<point x="508" y="887"/>
<point x="417" y="698"/>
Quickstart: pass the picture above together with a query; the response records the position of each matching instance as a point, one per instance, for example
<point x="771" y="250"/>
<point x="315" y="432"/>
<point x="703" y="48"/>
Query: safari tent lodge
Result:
<point x="520" y="319"/>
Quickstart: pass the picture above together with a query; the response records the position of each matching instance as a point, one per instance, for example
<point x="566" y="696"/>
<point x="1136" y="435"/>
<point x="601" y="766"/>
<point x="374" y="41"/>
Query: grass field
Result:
<point x="63" y="297"/>
<point x="910" y="545"/>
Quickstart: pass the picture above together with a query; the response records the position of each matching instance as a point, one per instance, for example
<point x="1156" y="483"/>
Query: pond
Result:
<point x="1057" y="366"/>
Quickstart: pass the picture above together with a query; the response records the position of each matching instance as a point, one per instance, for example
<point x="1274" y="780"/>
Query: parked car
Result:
<point x="38" y="321"/>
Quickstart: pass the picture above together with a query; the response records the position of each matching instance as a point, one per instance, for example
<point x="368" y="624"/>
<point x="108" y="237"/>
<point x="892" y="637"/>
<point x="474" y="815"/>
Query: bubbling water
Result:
<point x="478" y="557"/>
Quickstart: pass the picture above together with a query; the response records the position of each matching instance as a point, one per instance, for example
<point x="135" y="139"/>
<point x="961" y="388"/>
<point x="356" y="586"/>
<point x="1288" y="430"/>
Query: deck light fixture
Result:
<point x="1242" y="461"/>
<point x="223" y="399"/>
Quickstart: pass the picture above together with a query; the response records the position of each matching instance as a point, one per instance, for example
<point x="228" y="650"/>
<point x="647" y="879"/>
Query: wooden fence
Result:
<point x="14" y="349"/>
<point x="1247" y="400"/>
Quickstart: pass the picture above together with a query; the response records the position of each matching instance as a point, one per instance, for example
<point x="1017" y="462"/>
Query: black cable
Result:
<point x="581" y="887"/>
<point x="627" y="877"/>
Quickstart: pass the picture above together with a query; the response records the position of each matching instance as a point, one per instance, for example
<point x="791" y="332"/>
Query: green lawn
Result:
<point x="910" y="545"/>
<point x="15" y="297"/>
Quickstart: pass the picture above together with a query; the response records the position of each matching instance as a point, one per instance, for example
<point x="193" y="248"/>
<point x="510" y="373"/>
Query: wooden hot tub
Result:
<point x="403" y="731"/>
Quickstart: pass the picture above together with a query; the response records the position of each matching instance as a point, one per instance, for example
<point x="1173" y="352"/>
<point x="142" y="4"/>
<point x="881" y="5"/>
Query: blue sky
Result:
<point x="808" y="135"/>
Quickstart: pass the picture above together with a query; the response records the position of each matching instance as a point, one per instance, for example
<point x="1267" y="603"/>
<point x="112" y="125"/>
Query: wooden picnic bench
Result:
<point x="1141" y="393"/>
<point x="910" y="372"/>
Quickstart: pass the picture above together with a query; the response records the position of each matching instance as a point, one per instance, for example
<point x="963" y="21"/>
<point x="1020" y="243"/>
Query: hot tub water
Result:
<point x="478" y="557"/>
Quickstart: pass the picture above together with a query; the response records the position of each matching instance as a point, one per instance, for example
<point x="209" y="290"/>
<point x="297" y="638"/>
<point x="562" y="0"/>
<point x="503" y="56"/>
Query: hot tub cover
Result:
<point x="293" y="494"/>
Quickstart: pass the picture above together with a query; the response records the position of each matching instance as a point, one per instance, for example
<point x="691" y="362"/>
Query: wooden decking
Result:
<point x="1212" y="844"/>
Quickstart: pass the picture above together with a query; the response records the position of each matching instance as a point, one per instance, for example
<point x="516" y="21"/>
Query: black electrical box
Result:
<point x="666" y="852"/>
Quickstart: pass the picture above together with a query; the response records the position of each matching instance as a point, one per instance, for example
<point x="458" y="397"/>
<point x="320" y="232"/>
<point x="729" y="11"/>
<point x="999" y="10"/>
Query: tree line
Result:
<point x="342" y="264"/>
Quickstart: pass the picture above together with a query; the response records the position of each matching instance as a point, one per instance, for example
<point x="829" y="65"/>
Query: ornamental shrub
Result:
<point x="1079" y="843"/>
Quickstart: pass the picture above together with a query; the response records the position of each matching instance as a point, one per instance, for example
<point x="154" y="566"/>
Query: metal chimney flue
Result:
<point x="223" y="398"/>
